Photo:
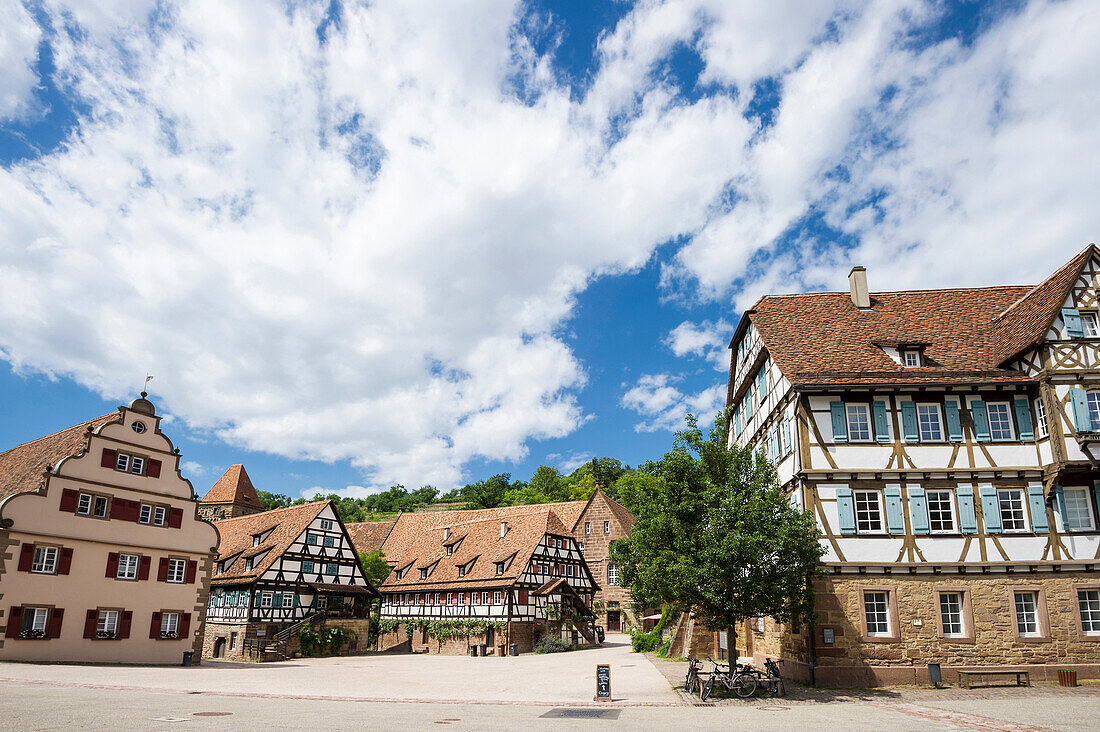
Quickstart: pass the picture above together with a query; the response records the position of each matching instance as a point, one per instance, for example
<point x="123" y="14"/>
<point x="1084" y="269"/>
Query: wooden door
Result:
<point x="614" y="621"/>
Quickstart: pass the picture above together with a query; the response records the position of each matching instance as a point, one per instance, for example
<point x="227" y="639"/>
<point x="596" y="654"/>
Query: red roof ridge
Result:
<point x="233" y="487"/>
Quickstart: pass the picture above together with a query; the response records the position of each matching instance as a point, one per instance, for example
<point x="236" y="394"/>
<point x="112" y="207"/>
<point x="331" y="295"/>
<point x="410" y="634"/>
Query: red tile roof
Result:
<point x="23" y="468"/>
<point x="366" y="536"/>
<point x="233" y="487"/>
<point x="286" y="525"/>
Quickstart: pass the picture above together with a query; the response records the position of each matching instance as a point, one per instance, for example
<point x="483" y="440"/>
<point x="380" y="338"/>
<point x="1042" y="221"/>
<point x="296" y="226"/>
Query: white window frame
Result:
<point x="1086" y="500"/>
<point x="84" y="504"/>
<point x="1023" y="622"/>
<point x="176" y="577"/>
<point x="1088" y="609"/>
<point x="128" y="566"/>
<point x="160" y="515"/>
<point x="169" y="623"/>
<point x="959" y="621"/>
<point x="587" y="528"/>
<point x="1018" y="497"/>
<point x="497" y="597"/>
<point x="607" y="527"/>
<point x="1093" y="400"/>
<point x="122" y="462"/>
<point x="930" y="408"/>
<point x="107" y="622"/>
<point x="612" y="574"/>
<point x="267" y="599"/>
<point x="326" y="524"/>
<point x="101" y="506"/>
<point x="137" y="465"/>
<point x="950" y="510"/>
<point x="1007" y="421"/>
<point x="45" y="560"/>
<point x="146" y="514"/>
<point x="885" y="631"/>
<point x="1041" y="414"/>
<point x="878" y="509"/>
<point x="856" y="413"/>
<point x="911" y="359"/>
<point x="35" y="614"/>
<point x="1090" y="327"/>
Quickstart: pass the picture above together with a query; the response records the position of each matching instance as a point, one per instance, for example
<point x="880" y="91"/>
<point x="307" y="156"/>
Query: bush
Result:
<point x="662" y="650"/>
<point x="643" y="642"/>
<point x="551" y="644"/>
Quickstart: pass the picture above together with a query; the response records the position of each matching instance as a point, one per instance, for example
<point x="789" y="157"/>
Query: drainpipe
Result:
<point x="810" y="643"/>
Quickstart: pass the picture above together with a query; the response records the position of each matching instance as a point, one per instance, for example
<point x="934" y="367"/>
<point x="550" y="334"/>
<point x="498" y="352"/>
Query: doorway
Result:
<point x="614" y="621"/>
<point x="219" y="648"/>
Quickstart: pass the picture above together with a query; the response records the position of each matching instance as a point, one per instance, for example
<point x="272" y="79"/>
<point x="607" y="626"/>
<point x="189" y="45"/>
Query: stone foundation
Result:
<point x="398" y="641"/>
<point x="224" y="631"/>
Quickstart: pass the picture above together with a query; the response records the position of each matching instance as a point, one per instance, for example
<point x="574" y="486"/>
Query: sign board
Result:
<point x="603" y="682"/>
<point x="827" y="634"/>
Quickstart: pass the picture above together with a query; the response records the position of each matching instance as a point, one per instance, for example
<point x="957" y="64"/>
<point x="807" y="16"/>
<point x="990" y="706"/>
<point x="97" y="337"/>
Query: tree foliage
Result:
<point x="715" y="534"/>
<point x="374" y="566"/>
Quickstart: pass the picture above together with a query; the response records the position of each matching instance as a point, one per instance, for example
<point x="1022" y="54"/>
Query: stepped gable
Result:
<point x="234" y="487"/>
<point x="23" y="468"/>
<point x="366" y="536"/>
<point x="416" y="542"/>
<point x="287" y="524"/>
<point x="1025" y="322"/>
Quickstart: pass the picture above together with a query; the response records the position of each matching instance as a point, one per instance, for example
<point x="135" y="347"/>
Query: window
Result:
<point x="928" y="418"/>
<point x="176" y="570"/>
<point x="137" y="465"/>
<point x="34" y="622"/>
<point x="1000" y="421"/>
<point x="329" y="540"/>
<point x="462" y="571"/>
<point x="587" y="527"/>
<point x="1089" y="325"/>
<point x="1041" y="411"/>
<point x="232" y="641"/>
<point x="859" y="423"/>
<point x="876" y="607"/>
<point x="951" y="614"/>
<point x="450" y="598"/>
<point x="1078" y="511"/>
<point x="941" y="512"/>
<point x="128" y="566"/>
<point x="607" y="527"/>
<point x="146" y="514"/>
<point x="326" y="525"/>
<point x="500" y="568"/>
<point x="311" y="539"/>
<point x="911" y="359"/>
<point x="107" y="624"/>
<point x="1093" y="398"/>
<point x="496" y="597"/>
<point x="1011" y="503"/>
<point x="868" y="512"/>
<point x="424" y="573"/>
<point x="580" y="545"/>
<point x="450" y="549"/>
<point x="84" y="504"/>
<point x="613" y="575"/>
<point x="1027" y="614"/>
<point x="1088" y="601"/>
<point x="122" y="462"/>
<point x="45" y="560"/>
<point x="266" y="599"/>
<point x="248" y="563"/>
<point x="101" y="504"/>
<point x="307" y="567"/>
<point x="169" y="625"/>
<point x="256" y="540"/>
<point x="331" y="569"/>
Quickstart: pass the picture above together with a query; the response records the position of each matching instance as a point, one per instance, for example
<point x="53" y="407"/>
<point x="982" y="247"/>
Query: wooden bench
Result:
<point x="966" y="677"/>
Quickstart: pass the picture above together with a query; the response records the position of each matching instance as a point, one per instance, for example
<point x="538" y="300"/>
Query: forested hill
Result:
<point x="547" y="485"/>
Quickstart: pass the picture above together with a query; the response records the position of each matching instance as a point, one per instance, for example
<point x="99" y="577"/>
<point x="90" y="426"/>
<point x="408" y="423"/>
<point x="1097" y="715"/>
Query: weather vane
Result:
<point x="145" y="389"/>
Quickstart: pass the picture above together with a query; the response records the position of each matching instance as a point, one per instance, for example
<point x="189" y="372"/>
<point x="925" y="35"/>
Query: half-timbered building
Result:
<point x="276" y="571"/>
<point x="946" y="442"/>
<point x="518" y="570"/>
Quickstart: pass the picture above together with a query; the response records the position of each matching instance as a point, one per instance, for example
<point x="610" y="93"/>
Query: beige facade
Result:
<point x="103" y="558"/>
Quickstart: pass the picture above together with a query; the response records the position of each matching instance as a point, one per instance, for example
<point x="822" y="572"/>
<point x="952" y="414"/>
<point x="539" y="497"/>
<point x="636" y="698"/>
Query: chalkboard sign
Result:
<point x="603" y="682"/>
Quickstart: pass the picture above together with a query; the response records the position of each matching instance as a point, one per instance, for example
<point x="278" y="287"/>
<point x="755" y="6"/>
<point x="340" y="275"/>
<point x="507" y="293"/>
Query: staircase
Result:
<point x="275" y="648"/>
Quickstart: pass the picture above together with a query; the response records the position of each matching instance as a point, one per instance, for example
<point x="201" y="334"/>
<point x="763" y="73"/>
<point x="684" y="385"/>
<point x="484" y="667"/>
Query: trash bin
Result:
<point x="1067" y="677"/>
<point x="500" y="650"/>
<point x="473" y="651"/>
<point x="484" y="649"/>
<point x="187" y="656"/>
<point x="935" y="676"/>
<point x="513" y="649"/>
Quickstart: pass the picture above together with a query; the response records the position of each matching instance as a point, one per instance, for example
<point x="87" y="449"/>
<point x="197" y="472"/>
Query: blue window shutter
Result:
<point x="737" y="421"/>
<point x="840" y="421"/>
<point x="991" y="510"/>
<point x="1023" y="418"/>
<point x="918" y="510"/>
<point x="278" y="601"/>
<point x="1060" y="502"/>
<point x="1038" y="508"/>
<point x="845" y="510"/>
<point x="295" y="599"/>
<point x="895" y="521"/>
<point x="968" y="523"/>
<point x="909" y="421"/>
<point x="762" y="381"/>
<point x="1082" y="422"/>
<point x="1072" y="318"/>
<point x="954" y="424"/>
<point x="787" y="434"/>
<point x="981" y="420"/>
<point x="882" y="428"/>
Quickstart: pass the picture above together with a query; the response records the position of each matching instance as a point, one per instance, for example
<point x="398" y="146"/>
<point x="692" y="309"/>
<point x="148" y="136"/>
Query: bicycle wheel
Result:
<point x="708" y="687"/>
<point x="745" y="685"/>
<point x="689" y="681"/>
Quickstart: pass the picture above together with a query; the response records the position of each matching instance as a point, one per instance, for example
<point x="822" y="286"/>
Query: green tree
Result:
<point x="374" y="566"/>
<point x="271" y="501"/>
<point x="582" y="489"/>
<point x="489" y="493"/>
<point x="716" y="535"/>
<point x="545" y="480"/>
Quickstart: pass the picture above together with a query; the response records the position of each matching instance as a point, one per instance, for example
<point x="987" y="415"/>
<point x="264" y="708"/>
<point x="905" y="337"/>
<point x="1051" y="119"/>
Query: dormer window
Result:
<point x="255" y="540"/>
<point x="911" y="359"/>
<point x="424" y="573"/>
<point x="500" y="568"/>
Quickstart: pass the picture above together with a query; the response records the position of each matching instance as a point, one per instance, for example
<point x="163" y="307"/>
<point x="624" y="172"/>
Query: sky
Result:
<point x="363" y="244"/>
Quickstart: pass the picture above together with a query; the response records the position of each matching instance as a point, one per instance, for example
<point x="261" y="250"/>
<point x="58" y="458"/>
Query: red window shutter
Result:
<point x="143" y="568"/>
<point x="154" y="627"/>
<point x="110" y="458"/>
<point x="465" y="598"/>
<point x="26" y="557"/>
<point x="523" y="597"/>
<point x="133" y="510"/>
<point x="53" y="628"/>
<point x="66" y="561"/>
<point x="112" y="565"/>
<point x="175" y="517"/>
<point x="189" y="577"/>
<point x="152" y="468"/>
<point x="185" y="625"/>
<point x="124" y="624"/>
<point x="69" y="498"/>
<point x="119" y="509"/>
<point x="90" y="623"/>
<point x="15" y="621"/>
<point x="162" y="571"/>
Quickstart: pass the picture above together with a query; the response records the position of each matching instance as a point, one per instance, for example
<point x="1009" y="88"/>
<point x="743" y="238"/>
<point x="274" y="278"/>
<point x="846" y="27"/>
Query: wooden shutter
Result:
<point x="162" y="570"/>
<point x="53" y="626"/>
<point x="185" y="625"/>
<point x="980" y="415"/>
<point x="1060" y="502"/>
<point x="127" y="617"/>
<point x="135" y="510"/>
<point x="909" y="422"/>
<point x="1036" y="501"/>
<point x="109" y="458"/>
<point x="786" y="434"/>
<point x="15" y="621"/>
<point x="895" y="520"/>
<point x="991" y="510"/>
<point x="840" y="421"/>
<point x="65" y="560"/>
<point x="954" y="422"/>
<point x="189" y="575"/>
<point x="154" y="626"/>
<point x="143" y="568"/>
<point x="175" y="517"/>
<point x="1072" y="318"/>
<point x="278" y="602"/>
<point x="918" y="509"/>
<point x="112" y="565"/>
<point x="1023" y="418"/>
<point x="152" y="468"/>
<point x="119" y="509"/>
<point x="69" y="499"/>
<point x="882" y="427"/>
<point x="26" y="557"/>
<point x="762" y="382"/>
<point x="90" y="622"/>
<point x="523" y="597"/>
<point x="845" y="510"/>
<point x="1082" y="422"/>
<point x="968" y="523"/>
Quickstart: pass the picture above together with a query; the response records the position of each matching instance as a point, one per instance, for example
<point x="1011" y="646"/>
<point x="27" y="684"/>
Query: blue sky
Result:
<point x="363" y="244"/>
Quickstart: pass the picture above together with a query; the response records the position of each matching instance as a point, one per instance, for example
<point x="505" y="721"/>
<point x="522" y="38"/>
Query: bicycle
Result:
<point x="740" y="679"/>
<point x="774" y="678"/>
<point x="692" y="679"/>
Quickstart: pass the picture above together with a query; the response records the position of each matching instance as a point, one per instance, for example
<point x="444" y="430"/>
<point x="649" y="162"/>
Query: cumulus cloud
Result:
<point x="19" y="39"/>
<point x="190" y="468"/>
<point x="707" y="340"/>
<point x="664" y="405"/>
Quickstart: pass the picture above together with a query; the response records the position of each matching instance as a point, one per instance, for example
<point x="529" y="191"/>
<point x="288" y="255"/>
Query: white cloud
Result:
<point x="190" y="468"/>
<point x="19" y="39"/>
<point x="708" y="340"/>
<point x="567" y="464"/>
<point x="664" y="405"/>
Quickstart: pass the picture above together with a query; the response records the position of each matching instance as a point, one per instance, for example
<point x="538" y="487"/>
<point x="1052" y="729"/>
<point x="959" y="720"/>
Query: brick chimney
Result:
<point x="857" y="283"/>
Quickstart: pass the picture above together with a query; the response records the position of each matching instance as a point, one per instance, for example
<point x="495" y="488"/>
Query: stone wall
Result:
<point x="596" y="548"/>
<point x="214" y="631"/>
<point x="398" y="641"/>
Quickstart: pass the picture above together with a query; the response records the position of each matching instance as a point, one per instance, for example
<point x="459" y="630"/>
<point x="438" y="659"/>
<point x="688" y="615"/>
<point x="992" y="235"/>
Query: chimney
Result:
<point x="857" y="281"/>
<point x="503" y="528"/>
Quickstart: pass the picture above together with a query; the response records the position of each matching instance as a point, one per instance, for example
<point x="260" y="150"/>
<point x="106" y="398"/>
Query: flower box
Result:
<point x="32" y="634"/>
